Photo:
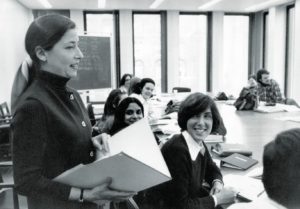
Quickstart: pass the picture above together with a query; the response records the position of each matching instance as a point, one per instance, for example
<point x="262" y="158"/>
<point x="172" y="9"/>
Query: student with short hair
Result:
<point x="189" y="161"/>
<point x="269" y="90"/>
<point x="281" y="173"/>
<point x="143" y="93"/>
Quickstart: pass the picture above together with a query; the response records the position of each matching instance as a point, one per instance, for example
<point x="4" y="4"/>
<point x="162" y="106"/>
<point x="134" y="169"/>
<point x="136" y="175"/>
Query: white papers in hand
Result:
<point x="135" y="164"/>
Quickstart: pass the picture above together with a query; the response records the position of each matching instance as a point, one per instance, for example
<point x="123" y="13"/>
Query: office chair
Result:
<point x="181" y="89"/>
<point x="9" y="185"/>
<point x="5" y="116"/>
<point x="91" y="113"/>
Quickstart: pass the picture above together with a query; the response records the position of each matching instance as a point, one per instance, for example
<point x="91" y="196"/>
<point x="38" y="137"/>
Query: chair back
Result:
<point x="91" y="113"/>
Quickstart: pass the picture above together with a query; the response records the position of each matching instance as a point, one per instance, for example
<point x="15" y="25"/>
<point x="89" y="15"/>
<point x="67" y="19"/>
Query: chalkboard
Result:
<point x="95" y="68"/>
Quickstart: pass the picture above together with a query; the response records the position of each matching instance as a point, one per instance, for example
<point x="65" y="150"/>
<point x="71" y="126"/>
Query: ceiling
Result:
<point x="182" y="5"/>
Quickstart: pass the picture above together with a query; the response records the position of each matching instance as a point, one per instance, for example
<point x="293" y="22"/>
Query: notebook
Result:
<point x="238" y="161"/>
<point x="226" y="149"/>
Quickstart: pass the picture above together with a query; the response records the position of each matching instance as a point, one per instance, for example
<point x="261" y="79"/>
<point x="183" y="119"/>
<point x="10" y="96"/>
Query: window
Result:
<point x="235" y="53"/>
<point x="265" y="39"/>
<point x="290" y="52"/>
<point x="104" y="24"/>
<point x="192" y="51"/>
<point x="147" y="46"/>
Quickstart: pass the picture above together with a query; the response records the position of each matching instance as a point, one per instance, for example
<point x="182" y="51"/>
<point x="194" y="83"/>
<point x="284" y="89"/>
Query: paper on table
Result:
<point x="248" y="188"/>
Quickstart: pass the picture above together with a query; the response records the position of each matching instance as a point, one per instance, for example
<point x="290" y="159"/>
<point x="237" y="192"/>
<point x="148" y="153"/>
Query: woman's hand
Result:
<point x="216" y="188"/>
<point x="226" y="195"/>
<point x="104" y="193"/>
<point x="100" y="142"/>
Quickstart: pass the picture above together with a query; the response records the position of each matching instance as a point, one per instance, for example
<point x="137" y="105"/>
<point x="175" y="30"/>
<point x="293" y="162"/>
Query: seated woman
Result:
<point x="107" y="119"/>
<point x="124" y="83"/>
<point x="134" y="85"/>
<point x="128" y="112"/>
<point x="189" y="161"/>
<point x="144" y="93"/>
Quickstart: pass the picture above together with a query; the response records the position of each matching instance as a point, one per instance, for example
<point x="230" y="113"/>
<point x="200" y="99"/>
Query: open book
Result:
<point x="135" y="163"/>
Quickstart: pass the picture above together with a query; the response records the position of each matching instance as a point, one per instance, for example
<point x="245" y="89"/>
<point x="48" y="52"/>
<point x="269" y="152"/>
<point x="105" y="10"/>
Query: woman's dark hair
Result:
<point x="119" y="123"/>
<point x="46" y="31"/>
<point x="134" y="86"/>
<point x="260" y="73"/>
<point x="112" y="102"/>
<point x="142" y="83"/>
<point x="123" y="79"/>
<point x="281" y="168"/>
<point x="193" y="105"/>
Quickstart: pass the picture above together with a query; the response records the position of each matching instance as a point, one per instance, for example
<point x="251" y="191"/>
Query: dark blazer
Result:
<point x="185" y="190"/>
<point x="51" y="134"/>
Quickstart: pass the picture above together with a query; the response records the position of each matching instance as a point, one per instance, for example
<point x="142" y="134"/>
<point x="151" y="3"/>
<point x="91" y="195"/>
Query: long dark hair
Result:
<point x="119" y="123"/>
<point x="123" y="79"/>
<point x="112" y="102"/>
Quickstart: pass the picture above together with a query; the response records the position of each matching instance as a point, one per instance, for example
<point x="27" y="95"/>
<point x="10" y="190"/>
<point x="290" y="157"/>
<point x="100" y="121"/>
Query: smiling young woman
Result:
<point x="189" y="161"/>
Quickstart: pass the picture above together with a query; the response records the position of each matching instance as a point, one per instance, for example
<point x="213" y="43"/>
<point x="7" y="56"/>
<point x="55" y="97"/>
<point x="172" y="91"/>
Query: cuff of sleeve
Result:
<point x="217" y="180"/>
<point x="215" y="200"/>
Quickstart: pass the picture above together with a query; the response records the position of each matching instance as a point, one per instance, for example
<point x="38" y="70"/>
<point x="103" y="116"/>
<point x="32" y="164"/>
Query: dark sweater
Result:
<point x="185" y="190"/>
<point x="51" y="134"/>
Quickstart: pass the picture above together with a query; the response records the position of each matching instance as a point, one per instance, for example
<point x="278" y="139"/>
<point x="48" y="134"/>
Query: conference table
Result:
<point x="254" y="129"/>
<point x="250" y="128"/>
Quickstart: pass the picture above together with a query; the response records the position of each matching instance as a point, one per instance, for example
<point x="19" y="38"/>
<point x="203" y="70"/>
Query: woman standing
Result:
<point x="51" y="129"/>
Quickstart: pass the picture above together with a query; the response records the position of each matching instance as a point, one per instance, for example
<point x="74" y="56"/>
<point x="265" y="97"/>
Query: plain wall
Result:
<point x="14" y="21"/>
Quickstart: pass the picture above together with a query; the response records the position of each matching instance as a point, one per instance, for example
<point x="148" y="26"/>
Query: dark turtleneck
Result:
<point x="57" y="81"/>
<point x="51" y="134"/>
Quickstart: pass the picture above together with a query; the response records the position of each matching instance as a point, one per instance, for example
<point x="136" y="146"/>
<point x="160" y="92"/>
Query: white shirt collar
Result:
<point x="193" y="146"/>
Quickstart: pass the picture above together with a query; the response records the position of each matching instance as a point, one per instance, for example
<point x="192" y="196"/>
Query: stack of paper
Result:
<point x="135" y="163"/>
<point x="248" y="188"/>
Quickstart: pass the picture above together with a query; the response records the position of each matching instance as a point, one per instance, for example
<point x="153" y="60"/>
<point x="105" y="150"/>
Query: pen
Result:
<point x="260" y="193"/>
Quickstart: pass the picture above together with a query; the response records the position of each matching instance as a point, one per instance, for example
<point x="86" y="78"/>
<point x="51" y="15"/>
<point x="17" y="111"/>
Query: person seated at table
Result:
<point x="125" y="82"/>
<point x="269" y="90"/>
<point x="134" y="85"/>
<point x="189" y="161"/>
<point x="127" y="112"/>
<point x="281" y="173"/>
<point x="144" y="92"/>
<point x="248" y="98"/>
<point x="107" y="119"/>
